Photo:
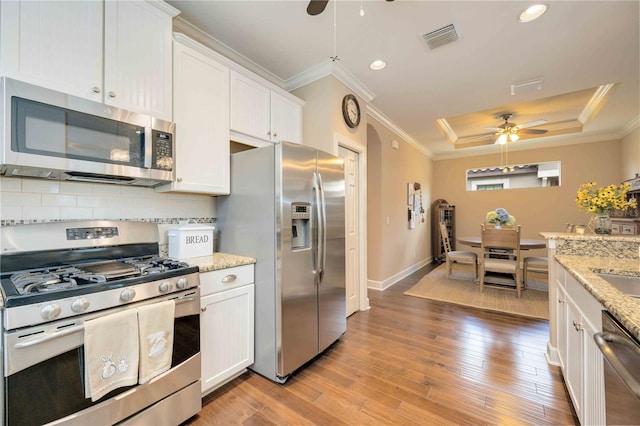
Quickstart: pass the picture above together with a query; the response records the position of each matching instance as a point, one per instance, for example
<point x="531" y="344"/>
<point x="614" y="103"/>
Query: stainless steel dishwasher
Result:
<point x="621" y="352"/>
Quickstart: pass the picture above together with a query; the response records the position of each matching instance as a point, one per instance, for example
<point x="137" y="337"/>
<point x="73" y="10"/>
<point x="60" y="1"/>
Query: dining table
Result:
<point x="525" y="243"/>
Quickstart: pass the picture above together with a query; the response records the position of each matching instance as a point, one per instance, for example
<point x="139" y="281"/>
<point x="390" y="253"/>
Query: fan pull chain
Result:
<point x="335" y="29"/>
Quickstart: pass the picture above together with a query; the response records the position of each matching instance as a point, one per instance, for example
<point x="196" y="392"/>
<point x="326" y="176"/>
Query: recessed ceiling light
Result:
<point x="377" y="65"/>
<point x="533" y="12"/>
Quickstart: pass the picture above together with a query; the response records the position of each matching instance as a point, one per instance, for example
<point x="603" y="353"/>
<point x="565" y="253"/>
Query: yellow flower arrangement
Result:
<point x="603" y="200"/>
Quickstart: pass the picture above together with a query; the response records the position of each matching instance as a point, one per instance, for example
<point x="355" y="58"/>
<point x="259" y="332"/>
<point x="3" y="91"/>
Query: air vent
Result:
<point x="440" y="37"/>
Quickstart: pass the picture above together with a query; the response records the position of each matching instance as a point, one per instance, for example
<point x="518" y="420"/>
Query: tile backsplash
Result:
<point x="24" y="201"/>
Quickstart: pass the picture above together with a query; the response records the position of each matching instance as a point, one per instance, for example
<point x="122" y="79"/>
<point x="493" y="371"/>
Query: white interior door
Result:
<point x="352" y="250"/>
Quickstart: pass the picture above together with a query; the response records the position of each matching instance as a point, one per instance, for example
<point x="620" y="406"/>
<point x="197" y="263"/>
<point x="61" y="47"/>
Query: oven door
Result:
<point x="44" y="371"/>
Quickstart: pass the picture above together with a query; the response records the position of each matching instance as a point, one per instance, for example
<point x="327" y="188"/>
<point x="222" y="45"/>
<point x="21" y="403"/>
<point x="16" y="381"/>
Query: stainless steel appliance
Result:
<point x="286" y="209"/>
<point x="57" y="276"/>
<point x="52" y="135"/>
<point x="621" y="353"/>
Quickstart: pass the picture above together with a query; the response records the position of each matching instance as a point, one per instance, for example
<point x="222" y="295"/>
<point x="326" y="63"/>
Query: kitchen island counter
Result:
<point x="218" y="261"/>
<point x="625" y="309"/>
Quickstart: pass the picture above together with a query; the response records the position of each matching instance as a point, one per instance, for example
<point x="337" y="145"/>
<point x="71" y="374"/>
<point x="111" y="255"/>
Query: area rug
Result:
<point x="460" y="289"/>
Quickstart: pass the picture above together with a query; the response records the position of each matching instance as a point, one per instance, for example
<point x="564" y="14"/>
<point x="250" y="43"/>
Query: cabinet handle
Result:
<point x="560" y="301"/>
<point x="269" y="133"/>
<point x="203" y="309"/>
<point x="96" y="89"/>
<point x="112" y="94"/>
<point x="577" y="326"/>
<point x="275" y="135"/>
<point x="179" y="179"/>
<point x="229" y="278"/>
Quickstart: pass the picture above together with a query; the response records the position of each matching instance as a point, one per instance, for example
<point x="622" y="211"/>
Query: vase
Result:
<point x="601" y="224"/>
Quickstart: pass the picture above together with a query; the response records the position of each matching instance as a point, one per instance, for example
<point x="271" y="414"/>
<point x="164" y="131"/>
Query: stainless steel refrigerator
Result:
<point x="286" y="209"/>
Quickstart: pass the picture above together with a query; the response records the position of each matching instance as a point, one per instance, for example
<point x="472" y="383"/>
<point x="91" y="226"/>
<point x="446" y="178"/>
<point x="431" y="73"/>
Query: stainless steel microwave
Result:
<point x="52" y="135"/>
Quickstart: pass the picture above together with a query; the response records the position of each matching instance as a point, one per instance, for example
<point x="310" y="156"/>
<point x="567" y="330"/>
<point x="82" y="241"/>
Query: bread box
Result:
<point x="190" y="241"/>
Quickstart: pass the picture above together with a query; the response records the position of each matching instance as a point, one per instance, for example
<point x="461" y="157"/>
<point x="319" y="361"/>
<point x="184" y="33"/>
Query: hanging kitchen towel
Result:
<point x="110" y="353"/>
<point x="155" y="322"/>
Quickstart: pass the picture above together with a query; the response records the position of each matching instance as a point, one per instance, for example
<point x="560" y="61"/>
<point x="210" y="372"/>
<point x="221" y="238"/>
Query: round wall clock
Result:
<point x="351" y="111"/>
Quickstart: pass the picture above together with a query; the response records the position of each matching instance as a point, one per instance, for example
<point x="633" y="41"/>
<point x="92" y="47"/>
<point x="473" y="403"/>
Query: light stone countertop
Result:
<point x="218" y="261"/>
<point x="624" y="308"/>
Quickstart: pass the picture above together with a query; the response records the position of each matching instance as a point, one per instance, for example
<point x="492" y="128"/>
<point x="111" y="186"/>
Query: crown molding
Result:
<point x="386" y="121"/>
<point x="329" y="67"/>
<point x="550" y="142"/>
<point x="630" y="126"/>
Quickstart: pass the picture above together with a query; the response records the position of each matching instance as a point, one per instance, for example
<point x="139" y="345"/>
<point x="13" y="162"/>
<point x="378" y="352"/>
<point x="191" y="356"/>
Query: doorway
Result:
<point x="355" y="223"/>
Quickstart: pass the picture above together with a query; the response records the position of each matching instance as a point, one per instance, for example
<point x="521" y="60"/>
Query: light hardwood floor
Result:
<point x="410" y="361"/>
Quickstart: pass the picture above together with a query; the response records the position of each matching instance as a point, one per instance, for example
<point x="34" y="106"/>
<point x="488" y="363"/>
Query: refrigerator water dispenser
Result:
<point x="300" y="223"/>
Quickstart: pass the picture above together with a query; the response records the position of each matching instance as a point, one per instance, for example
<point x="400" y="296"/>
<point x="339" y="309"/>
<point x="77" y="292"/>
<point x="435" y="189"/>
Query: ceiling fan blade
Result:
<point x="532" y="124"/>
<point x="493" y="129"/>
<point x="316" y="7"/>
<point x="532" y="131"/>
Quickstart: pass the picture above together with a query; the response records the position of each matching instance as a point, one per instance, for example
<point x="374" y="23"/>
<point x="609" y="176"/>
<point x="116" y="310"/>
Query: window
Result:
<point x="536" y="175"/>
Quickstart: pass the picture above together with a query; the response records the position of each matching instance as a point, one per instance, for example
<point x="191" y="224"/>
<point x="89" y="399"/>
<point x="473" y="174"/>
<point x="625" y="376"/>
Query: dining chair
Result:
<point x="500" y="254"/>
<point x="534" y="264"/>
<point x="457" y="257"/>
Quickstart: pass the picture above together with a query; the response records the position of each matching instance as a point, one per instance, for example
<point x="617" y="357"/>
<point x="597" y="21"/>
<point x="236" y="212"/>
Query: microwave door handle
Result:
<point x="147" y="143"/>
<point x="49" y="336"/>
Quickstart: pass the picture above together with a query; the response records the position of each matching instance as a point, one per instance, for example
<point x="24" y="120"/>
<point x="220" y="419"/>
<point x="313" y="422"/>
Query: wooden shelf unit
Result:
<point x="441" y="211"/>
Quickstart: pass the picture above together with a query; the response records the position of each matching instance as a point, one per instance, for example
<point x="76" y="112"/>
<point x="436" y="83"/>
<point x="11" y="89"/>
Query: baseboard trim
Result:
<point x="383" y="285"/>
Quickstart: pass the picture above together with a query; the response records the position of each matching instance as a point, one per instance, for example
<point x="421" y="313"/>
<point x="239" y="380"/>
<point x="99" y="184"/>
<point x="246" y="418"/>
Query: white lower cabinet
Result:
<point x="579" y="318"/>
<point x="226" y="324"/>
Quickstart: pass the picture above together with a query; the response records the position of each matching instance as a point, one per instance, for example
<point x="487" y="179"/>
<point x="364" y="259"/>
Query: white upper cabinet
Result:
<point x="259" y="113"/>
<point x="286" y="119"/>
<point x="201" y="114"/>
<point x="116" y="52"/>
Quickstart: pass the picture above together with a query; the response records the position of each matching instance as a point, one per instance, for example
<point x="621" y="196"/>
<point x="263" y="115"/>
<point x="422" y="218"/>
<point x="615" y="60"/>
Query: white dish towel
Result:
<point x="155" y="323"/>
<point x="110" y="353"/>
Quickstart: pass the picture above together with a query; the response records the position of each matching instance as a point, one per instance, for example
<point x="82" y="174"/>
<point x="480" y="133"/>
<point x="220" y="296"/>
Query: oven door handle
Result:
<point x="604" y="340"/>
<point x="49" y="336"/>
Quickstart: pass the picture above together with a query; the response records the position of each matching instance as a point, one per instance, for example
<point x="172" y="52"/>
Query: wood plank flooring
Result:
<point x="410" y="361"/>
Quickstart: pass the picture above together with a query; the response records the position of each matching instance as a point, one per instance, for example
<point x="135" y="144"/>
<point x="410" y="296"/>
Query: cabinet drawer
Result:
<point x="628" y="229"/>
<point x="225" y="279"/>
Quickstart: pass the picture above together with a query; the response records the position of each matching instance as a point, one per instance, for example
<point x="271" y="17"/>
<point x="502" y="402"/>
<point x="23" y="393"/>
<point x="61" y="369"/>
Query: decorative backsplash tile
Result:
<point x="25" y="201"/>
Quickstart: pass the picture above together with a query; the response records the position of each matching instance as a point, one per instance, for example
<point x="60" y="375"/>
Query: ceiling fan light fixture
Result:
<point x="513" y="137"/>
<point x="502" y="139"/>
<point x="378" y="65"/>
<point x="533" y="12"/>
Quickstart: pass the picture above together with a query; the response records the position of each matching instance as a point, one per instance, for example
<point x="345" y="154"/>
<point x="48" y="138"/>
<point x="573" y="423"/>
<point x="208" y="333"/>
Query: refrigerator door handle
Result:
<point x="316" y="261"/>
<point x="323" y="229"/>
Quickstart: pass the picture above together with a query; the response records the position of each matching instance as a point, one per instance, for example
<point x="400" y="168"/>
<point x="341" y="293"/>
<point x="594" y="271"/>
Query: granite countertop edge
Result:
<point x="218" y="261"/>
<point x="625" y="309"/>
<point x="574" y="236"/>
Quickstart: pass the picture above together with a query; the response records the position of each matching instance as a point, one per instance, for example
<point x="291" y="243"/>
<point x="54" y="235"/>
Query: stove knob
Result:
<point x="49" y="312"/>
<point x="79" y="305"/>
<point x="165" y="287"/>
<point x="181" y="283"/>
<point x="127" y="295"/>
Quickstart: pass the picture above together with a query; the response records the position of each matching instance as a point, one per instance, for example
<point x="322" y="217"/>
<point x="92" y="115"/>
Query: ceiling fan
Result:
<point x="316" y="7"/>
<point x="510" y="131"/>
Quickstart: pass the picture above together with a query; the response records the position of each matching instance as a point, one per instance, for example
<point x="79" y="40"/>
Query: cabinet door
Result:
<point x="226" y="335"/>
<point x="137" y="58"/>
<point x="574" y="366"/>
<point x="286" y="119"/>
<point x="201" y="114"/>
<point x="250" y="105"/>
<point x="54" y="44"/>
<point x="562" y="321"/>
<point x="593" y="412"/>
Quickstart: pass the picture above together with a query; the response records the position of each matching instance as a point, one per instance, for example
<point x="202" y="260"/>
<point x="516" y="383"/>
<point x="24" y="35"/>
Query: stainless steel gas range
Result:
<point x="57" y="279"/>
